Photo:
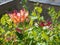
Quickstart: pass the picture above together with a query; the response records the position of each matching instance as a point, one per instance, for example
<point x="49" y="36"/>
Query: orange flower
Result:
<point x="18" y="17"/>
<point x="24" y="14"/>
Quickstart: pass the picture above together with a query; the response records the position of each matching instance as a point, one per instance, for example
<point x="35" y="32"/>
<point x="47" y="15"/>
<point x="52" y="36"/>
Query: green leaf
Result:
<point x="38" y="43"/>
<point x="1" y="30"/>
<point x="58" y="26"/>
<point x="31" y="22"/>
<point x="44" y="35"/>
<point x="8" y="32"/>
<point x="34" y="13"/>
<point x="34" y="33"/>
<point x="4" y="19"/>
<point x="38" y="9"/>
<point x="30" y="42"/>
<point x="1" y="39"/>
<point x="3" y="22"/>
<point x="33" y="17"/>
<point x="43" y="43"/>
<point x="42" y="18"/>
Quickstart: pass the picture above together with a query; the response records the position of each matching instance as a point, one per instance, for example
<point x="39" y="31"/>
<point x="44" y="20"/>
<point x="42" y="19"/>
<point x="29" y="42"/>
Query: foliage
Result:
<point x="54" y="14"/>
<point x="33" y="30"/>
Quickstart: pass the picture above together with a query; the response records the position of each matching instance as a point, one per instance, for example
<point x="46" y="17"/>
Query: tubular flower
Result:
<point x="18" y="17"/>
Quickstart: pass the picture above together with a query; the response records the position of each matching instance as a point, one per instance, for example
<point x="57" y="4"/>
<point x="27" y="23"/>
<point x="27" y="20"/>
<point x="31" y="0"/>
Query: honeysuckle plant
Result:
<point x="29" y="28"/>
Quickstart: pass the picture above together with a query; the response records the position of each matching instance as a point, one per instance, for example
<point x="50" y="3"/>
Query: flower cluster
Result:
<point x="45" y="25"/>
<point x="20" y="16"/>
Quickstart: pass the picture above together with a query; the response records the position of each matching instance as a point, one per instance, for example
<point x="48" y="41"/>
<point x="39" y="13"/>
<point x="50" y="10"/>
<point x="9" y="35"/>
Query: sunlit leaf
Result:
<point x="1" y="39"/>
<point x="3" y="22"/>
<point x="33" y="13"/>
<point x="34" y="17"/>
<point x="44" y="35"/>
<point x="1" y="30"/>
<point x="31" y="22"/>
<point x="38" y="9"/>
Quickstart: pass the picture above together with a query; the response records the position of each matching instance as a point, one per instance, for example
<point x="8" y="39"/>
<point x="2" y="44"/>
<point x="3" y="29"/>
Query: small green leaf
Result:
<point x="3" y="22"/>
<point x="33" y="13"/>
<point x="38" y="43"/>
<point x="44" y="35"/>
<point x="41" y="18"/>
<point x="34" y="17"/>
<point x="1" y="39"/>
<point x="1" y="30"/>
<point x="30" y="42"/>
<point x="38" y="9"/>
<point x="31" y="22"/>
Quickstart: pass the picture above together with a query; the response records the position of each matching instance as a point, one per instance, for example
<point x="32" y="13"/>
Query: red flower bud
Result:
<point x="42" y="24"/>
<point x="48" y="23"/>
<point x="15" y="12"/>
<point x="18" y="30"/>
